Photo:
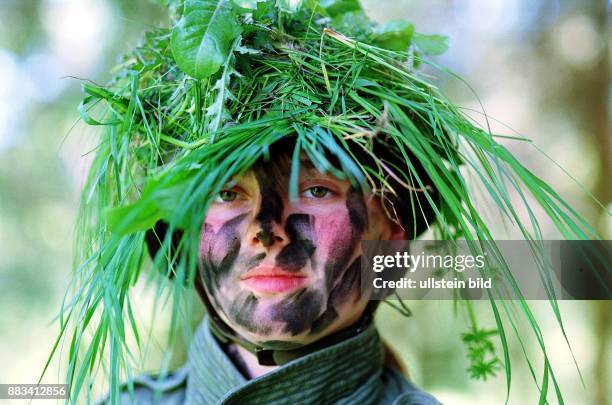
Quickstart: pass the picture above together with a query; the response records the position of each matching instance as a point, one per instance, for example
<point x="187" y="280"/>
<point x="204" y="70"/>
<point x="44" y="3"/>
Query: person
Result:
<point x="288" y="320"/>
<point x="248" y="152"/>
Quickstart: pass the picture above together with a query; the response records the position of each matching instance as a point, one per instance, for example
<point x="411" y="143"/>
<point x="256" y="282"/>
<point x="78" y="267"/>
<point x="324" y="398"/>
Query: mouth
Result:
<point x="273" y="280"/>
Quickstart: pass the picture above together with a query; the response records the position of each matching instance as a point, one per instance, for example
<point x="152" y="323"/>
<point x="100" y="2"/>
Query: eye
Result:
<point x="317" y="192"/>
<point x="226" y="196"/>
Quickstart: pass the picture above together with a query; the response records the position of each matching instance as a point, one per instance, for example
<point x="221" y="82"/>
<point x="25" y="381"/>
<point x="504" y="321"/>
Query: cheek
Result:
<point x="334" y="234"/>
<point x="379" y="226"/>
<point x="218" y="216"/>
<point x="219" y="237"/>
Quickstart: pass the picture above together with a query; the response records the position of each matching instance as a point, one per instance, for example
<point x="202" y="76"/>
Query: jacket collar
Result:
<point x="349" y="369"/>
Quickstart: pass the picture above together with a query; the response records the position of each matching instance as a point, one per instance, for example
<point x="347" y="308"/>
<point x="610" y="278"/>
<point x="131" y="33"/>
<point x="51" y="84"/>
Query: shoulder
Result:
<point x="401" y="391"/>
<point x="150" y="389"/>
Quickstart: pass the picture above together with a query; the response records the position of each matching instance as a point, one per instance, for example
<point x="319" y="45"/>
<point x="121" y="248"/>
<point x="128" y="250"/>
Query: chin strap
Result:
<point x="276" y="357"/>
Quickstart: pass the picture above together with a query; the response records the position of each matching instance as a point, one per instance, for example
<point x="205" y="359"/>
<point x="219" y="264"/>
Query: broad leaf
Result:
<point x="265" y="11"/>
<point x="394" y="35"/>
<point x="354" y="23"/>
<point x="202" y="38"/>
<point x="431" y="44"/>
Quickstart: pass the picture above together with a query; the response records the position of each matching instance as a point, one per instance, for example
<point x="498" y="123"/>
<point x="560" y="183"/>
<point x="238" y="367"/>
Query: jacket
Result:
<point x="349" y="372"/>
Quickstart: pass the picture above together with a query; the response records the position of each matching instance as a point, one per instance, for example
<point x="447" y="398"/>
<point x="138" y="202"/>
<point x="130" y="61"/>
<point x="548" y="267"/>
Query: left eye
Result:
<point x="317" y="192"/>
<point x="226" y="196"/>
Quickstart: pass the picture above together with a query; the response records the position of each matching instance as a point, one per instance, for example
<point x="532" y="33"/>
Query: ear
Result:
<point x="397" y="232"/>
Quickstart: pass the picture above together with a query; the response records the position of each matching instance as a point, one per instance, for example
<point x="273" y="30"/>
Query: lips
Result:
<point x="273" y="280"/>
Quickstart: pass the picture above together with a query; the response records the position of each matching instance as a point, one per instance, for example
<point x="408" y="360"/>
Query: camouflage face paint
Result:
<point x="313" y="241"/>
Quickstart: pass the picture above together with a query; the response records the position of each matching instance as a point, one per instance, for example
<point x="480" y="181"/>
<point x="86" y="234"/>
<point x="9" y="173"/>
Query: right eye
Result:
<point x="226" y="196"/>
<point x="317" y="192"/>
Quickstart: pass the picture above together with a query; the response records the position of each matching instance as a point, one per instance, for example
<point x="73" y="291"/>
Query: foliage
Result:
<point x="202" y="38"/>
<point x="199" y="103"/>
<point x="481" y="353"/>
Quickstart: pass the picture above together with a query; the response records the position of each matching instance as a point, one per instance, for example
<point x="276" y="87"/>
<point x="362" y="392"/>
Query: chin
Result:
<point x="283" y="321"/>
<point x="272" y="334"/>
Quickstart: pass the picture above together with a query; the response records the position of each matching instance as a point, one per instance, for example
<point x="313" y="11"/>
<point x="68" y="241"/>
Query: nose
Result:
<point x="266" y="228"/>
<point x="269" y="235"/>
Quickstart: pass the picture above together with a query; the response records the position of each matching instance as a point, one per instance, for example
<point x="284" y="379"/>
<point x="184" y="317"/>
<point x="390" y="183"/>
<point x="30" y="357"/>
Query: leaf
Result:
<point x="245" y="50"/>
<point x="287" y="6"/>
<point x="431" y="44"/>
<point x="394" y="35"/>
<point x="218" y="110"/>
<point x="335" y="8"/>
<point x="159" y="200"/>
<point x="201" y="39"/>
<point x="265" y="11"/>
<point x="353" y="23"/>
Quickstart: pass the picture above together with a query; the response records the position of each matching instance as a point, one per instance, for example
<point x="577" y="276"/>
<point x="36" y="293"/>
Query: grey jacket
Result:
<point x="350" y="372"/>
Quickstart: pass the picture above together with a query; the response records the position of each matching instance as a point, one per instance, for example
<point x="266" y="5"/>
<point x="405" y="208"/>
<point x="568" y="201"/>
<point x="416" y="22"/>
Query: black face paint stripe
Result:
<point x="254" y="261"/>
<point x="228" y="235"/>
<point x="242" y="311"/>
<point x="271" y="207"/>
<point x="299" y="230"/>
<point x="358" y="212"/>
<point x="348" y="284"/>
<point x="298" y="314"/>
<point x="324" y="320"/>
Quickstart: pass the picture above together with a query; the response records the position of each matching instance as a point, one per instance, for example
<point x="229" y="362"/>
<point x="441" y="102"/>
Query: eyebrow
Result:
<point x="307" y="163"/>
<point x="310" y="167"/>
<point x="312" y="170"/>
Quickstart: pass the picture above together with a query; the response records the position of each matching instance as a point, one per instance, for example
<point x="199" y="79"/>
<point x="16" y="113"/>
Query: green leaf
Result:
<point x="431" y="44"/>
<point x="394" y="35"/>
<point x="288" y="6"/>
<point x="158" y="201"/>
<point x="265" y="11"/>
<point x="335" y="8"/>
<point x="201" y="39"/>
<point x="353" y="23"/>
<point x="218" y="110"/>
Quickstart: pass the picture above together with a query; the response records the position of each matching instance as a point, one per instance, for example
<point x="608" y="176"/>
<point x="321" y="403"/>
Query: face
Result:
<point x="283" y="271"/>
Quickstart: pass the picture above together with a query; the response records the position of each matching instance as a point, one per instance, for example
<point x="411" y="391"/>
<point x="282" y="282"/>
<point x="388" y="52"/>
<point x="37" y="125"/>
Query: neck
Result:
<point x="250" y="366"/>
<point x="246" y="362"/>
<point x="342" y="369"/>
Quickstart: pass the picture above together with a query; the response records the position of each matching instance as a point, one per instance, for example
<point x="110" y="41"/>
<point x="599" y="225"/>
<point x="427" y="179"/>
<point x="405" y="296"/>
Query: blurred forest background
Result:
<point x="539" y="66"/>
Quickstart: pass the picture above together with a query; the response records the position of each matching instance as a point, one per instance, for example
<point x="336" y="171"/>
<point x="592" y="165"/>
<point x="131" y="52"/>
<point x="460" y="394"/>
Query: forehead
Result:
<point x="276" y="175"/>
<point x="277" y="166"/>
<point x="281" y="153"/>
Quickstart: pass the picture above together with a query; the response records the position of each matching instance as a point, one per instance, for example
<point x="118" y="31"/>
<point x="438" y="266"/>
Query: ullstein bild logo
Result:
<point x="487" y="269"/>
